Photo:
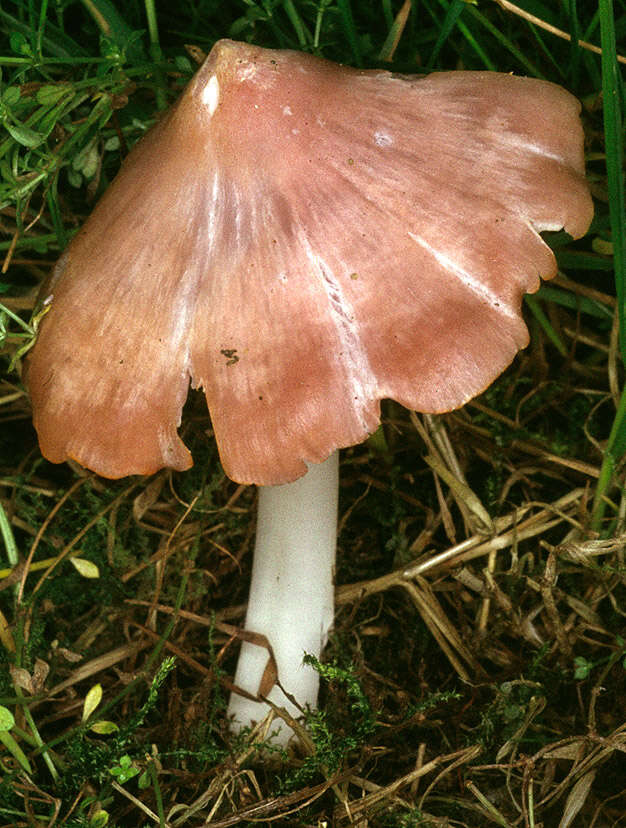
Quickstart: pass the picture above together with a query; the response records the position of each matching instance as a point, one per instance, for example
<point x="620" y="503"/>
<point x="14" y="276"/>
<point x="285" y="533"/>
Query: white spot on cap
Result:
<point x="383" y="139"/>
<point x="287" y="110"/>
<point x="246" y="72"/>
<point x="211" y="94"/>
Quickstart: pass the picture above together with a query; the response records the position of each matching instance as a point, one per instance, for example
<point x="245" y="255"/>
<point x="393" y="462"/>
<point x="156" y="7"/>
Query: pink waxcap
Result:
<point x="302" y="239"/>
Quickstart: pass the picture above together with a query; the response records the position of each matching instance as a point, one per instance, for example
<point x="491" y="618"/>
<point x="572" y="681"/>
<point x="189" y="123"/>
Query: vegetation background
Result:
<point x="477" y="671"/>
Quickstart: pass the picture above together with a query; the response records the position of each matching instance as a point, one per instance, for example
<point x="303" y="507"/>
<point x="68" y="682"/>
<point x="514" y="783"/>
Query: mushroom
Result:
<point x="301" y="240"/>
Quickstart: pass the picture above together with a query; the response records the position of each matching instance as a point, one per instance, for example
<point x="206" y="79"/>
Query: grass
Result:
<point x="477" y="669"/>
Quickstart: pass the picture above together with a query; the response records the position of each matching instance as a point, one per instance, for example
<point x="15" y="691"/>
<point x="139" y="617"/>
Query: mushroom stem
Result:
<point x="291" y="594"/>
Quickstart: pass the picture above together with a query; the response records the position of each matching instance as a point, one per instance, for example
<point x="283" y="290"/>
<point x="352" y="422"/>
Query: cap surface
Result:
<point x="302" y="240"/>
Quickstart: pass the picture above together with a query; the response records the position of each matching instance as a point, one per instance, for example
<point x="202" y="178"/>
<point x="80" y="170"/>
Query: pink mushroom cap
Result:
<point x="301" y="240"/>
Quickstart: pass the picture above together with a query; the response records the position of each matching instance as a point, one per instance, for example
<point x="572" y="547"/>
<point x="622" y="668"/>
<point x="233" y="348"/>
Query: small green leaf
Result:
<point x="87" y="161"/>
<point x="183" y="64"/>
<point x="23" y="135"/>
<point x="582" y="668"/>
<point x="6" y="719"/>
<point x="104" y="728"/>
<point x="124" y="770"/>
<point x="52" y="93"/>
<point x="99" y="820"/>
<point x="602" y="246"/>
<point x="86" y="568"/>
<point x="92" y="700"/>
<point x="75" y="178"/>
<point x="11" y="95"/>
<point x="110" y="50"/>
<point x="19" y="44"/>
<point x="15" y="750"/>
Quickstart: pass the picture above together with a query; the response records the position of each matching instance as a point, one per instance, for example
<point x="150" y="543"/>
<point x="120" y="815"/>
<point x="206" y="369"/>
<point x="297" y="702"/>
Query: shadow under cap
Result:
<point x="301" y="240"/>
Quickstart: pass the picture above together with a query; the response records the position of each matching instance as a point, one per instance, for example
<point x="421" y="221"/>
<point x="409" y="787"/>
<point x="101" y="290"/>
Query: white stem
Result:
<point x="292" y="594"/>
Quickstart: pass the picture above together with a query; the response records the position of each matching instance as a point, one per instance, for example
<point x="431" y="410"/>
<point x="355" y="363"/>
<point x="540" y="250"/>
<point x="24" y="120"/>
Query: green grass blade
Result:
<point x="304" y="38"/>
<point x="350" y="30"/>
<point x="543" y="320"/>
<point x="612" y="96"/>
<point x="452" y="15"/>
<point x="506" y="43"/>
<point x="575" y="50"/>
<point x="8" y="538"/>
<point x="614" y="449"/>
